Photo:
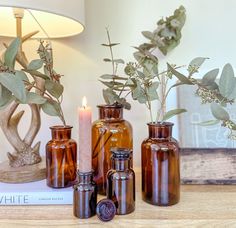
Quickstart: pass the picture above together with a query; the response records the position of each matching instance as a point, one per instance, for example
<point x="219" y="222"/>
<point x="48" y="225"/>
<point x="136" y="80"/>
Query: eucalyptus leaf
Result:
<point x="5" y="96"/>
<point x="233" y="93"/>
<point x="152" y="91"/>
<point x="139" y="56"/>
<point x="52" y="108"/>
<point x="109" y="96"/>
<point x="110" y="45"/>
<point x="14" y="84"/>
<point x="196" y="62"/>
<point x="111" y="84"/>
<point x="125" y="104"/>
<point x="37" y="74"/>
<point x="208" y="123"/>
<point x="172" y="113"/>
<point x="212" y="86"/>
<point x="35" y="64"/>
<point x="54" y="88"/>
<point x="146" y="46"/>
<point x="167" y="32"/>
<point x="22" y="75"/>
<point x="107" y="76"/>
<point x="180" y="76"/>
<point x="11" y="52"/>
<point x="121" y="61"/>
<point x="148" y="35"/>
<point x="218" y="112"/>
<point x="210" y="77"/>
<point x="139" y="94"/>
<point x="110" y="76"/>
<point x="227" y="82"/>
<point x="33" y="98"/>
<point x="107" y="60"/>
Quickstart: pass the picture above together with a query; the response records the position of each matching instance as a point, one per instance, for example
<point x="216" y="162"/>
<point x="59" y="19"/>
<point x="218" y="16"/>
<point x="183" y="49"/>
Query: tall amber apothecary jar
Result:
<point x="61" y="158"/>
<point x="160" y="166"/>
<point x="111" y="130"/>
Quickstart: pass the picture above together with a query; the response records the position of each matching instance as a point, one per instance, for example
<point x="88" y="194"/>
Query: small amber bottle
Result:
<point x="61" y="158"/>
<point x="85" y="196"/>
<point x="121" y="181"/>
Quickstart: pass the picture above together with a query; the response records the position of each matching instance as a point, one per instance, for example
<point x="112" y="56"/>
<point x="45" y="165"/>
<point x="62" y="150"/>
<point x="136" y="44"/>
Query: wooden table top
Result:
<point x="200" y="206"/>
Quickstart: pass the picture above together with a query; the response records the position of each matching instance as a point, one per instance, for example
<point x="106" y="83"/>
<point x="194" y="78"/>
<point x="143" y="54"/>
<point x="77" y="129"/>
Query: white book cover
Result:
<point x="34" y="193"/>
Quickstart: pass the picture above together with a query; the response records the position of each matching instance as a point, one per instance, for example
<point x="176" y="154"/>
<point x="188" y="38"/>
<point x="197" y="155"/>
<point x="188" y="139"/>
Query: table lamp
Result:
<point x="27" y="19"/>
<point x="55" y="18"/>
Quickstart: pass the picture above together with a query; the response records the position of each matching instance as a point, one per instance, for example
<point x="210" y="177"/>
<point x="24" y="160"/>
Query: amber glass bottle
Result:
<point x="160" y="166"/>
<point x="61" y="158"/>
<point x="121" y="182"/>
<point x="85" y="196"/>
<point x="111" y="130"/>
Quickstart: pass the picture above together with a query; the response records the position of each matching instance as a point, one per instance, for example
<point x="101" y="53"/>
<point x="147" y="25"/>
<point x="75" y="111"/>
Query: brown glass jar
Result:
<point x="111" y="130"/>
<point x="121" y="182"/>
<point x="61" y="158"/>
<point x="85" y="196"/>
<point x="160" y="166"/>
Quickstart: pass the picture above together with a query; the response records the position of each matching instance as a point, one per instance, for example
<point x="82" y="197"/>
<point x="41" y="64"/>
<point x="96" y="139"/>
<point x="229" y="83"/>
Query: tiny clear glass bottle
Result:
<point x="121" y="181"/>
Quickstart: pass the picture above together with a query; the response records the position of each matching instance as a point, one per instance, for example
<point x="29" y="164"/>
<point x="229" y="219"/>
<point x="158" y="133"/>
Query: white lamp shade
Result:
<point x="59" y="18"/>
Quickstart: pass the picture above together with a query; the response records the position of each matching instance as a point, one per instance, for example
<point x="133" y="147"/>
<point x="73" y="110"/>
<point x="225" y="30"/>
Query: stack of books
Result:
<point x="34" y="193"/>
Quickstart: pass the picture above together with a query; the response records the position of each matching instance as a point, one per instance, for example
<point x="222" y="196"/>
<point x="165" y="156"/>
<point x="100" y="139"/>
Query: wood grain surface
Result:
<point x="200" y="206"/>
<point x="208" y="165"/>
<point x="22" y="174"/>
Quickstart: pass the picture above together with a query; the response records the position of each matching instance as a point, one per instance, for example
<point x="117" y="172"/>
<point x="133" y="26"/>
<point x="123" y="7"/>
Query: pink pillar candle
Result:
<point x="85" y="137"/>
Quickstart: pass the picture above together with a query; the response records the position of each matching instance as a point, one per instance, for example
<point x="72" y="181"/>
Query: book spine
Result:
<point x="36" y="198"/>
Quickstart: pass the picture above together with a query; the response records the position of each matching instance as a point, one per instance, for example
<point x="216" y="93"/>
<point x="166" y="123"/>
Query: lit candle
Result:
<point x="85" y="123"/>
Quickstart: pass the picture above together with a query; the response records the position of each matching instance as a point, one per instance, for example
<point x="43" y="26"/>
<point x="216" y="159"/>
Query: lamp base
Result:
<point x="22" y="174"/>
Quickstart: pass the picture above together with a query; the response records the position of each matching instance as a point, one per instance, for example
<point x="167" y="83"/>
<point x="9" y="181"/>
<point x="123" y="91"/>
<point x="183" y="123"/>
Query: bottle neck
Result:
<point x="61" y="132"/>
<point x="160" y="130"/>
<point x="85" y="178"/>
<point x="110" y="112"/>
<point x="121" y="164"/>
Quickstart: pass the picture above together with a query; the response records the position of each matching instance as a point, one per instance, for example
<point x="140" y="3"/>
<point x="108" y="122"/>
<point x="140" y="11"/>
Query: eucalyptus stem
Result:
<point x="149" y="105"/>
<point x="62" y="117"/>
<point x="111" y="51"/>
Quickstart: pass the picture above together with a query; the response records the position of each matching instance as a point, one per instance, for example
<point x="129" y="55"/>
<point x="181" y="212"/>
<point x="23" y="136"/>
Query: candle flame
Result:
<point x="84" y="102"/>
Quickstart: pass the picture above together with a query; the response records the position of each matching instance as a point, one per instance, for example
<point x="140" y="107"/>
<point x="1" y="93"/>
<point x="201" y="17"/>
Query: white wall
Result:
<point x="209" y="31"/>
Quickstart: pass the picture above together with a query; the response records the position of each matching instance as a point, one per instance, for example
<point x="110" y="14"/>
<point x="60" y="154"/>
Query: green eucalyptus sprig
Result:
<point x="116" y="84"/>
<point x="144" y="77"/>
<point x="22" y="85"/>
<point x="219" y="94"/>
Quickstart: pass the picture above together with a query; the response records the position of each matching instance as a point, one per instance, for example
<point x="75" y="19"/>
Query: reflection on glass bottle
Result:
<point x="111" y="130"/>
<point x="160" y="166"/>
<point x="121" y="182"/>
<point x="61" y="158"/>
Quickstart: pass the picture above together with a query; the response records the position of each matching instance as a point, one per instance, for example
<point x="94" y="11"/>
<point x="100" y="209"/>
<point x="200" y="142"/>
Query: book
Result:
<point x="34" y="193"/>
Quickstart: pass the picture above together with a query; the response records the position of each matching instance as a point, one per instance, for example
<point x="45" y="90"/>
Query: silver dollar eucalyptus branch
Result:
<point x="142" y="78"/>
<point x="27" y="86"/>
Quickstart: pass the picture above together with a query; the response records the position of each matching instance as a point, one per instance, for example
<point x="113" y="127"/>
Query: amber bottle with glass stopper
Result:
<point x="160" y="166"/>
<point x="121" y="181"/>
<point x="111" y="130"/>
<point x="61" y="158"/>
